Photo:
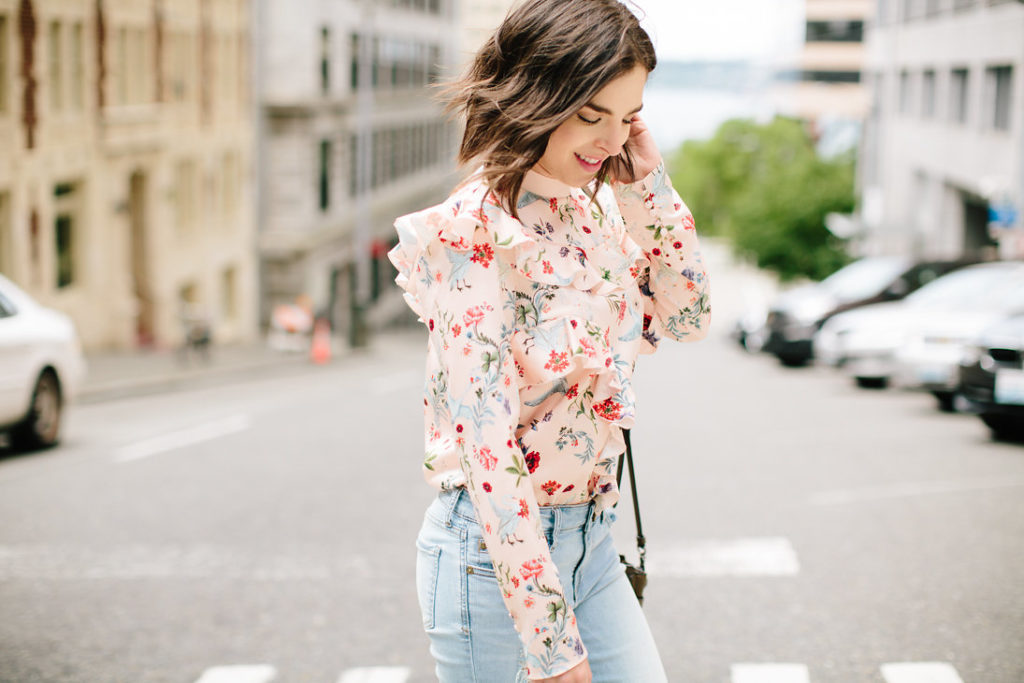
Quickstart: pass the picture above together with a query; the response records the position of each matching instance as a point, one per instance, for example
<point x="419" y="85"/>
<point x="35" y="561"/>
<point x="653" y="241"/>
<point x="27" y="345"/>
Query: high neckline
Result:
<point x="546" y="187"/>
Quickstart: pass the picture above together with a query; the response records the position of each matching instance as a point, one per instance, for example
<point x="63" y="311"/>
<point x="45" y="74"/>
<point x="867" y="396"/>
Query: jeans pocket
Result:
<point x="428" y="560"/>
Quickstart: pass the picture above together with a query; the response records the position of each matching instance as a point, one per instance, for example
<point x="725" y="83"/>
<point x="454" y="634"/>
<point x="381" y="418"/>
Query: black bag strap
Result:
<point x="627" y="457"/>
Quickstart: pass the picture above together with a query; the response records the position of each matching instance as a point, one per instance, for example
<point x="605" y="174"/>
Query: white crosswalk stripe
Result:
<point x="249" y="673"/>
<point x="376" y="674"/>
<point x="770" y="673"/>
<point x="768" y="556"/>
<point x="920" y="672"/>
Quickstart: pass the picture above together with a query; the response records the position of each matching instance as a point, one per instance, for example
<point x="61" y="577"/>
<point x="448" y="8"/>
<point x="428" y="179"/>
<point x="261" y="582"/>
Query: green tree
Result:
<point x="764" y="187"/>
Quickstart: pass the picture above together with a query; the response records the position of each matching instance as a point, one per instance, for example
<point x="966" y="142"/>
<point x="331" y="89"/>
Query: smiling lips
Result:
<point x="591" y="164"/>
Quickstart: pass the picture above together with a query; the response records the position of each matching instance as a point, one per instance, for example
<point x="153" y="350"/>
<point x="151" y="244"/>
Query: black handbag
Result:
<point x="636" y="573"/>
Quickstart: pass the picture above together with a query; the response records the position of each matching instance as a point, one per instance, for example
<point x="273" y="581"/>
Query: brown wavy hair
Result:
<point x="546" y="61"/>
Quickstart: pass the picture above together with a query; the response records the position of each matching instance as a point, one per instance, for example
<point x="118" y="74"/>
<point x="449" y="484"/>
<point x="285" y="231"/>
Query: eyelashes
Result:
<point x="591" y="122"/>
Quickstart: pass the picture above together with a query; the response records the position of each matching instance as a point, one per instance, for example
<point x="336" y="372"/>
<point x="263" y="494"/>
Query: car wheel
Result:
<point x="1004" y="427"/>
<point x="946" y="400"/>
<point x="872" y="382"/>
<point x="41" y="427"/>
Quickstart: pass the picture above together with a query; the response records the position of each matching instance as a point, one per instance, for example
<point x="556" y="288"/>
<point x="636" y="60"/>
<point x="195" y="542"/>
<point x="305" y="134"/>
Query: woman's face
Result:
<point x="577" y="148"/>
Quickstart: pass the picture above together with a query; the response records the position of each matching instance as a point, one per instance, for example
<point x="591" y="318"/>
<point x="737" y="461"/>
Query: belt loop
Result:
<point x="556" y="525"/>
<point x="455" y="495"/>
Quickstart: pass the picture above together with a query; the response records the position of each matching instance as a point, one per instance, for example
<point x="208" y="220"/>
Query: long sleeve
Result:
<point x="471" y="318"/>
<point x="676" y="285"/>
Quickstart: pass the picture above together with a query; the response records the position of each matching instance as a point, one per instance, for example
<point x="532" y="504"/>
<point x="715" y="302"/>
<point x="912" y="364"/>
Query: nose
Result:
<point x="613" y="138"/>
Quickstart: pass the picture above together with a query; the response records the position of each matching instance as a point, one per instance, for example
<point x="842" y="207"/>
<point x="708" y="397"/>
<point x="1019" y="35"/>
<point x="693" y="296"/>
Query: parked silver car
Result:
<point x="920" y="339"/>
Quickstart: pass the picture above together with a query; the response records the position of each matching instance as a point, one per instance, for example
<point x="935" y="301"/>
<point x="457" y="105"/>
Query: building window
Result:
<point x="185" y="195"/>
<point x="325" y="175"/>
<point x="229" y="293"/>
<point x="6" y="238"/>
<point x="56" y="67"/>
<point x="835" y="31"/>
<point x="1000" y="80"/>
<point x="4" y="63"/>
<point x="928" y="94"/>
<point x="325" y="60"/>
<point x="230" y="183"/>
<point x="958" y="93"/>
<point x="77" y="67"/>
<point x="905" y="85"/>
<point x="64" y="227"/>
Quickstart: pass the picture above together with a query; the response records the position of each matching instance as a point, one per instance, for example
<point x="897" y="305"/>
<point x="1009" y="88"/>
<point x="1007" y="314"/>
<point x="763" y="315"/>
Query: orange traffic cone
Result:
<point x="320" y="349"/>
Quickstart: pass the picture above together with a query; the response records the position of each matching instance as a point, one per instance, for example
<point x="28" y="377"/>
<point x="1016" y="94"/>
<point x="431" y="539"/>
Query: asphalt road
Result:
<point x="798" y="529"/>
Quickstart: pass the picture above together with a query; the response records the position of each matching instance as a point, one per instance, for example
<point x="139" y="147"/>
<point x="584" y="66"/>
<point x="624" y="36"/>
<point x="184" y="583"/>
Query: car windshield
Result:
<point x="989" y="287"/>
<point x="864" y="278"/>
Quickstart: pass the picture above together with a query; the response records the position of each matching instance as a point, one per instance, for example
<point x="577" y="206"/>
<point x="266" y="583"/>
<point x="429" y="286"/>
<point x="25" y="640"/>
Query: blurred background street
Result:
<point x="266" y="520"/>
<point x="210" y="424"/>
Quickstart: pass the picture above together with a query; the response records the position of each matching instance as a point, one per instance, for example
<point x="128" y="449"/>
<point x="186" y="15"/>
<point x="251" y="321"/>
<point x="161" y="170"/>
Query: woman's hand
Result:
<point x="646" y="156"/>
<point x="578" y="674"/>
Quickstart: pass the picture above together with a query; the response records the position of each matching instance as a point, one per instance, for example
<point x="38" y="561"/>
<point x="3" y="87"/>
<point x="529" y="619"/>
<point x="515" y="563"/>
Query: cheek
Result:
<point x="565" y="140"/>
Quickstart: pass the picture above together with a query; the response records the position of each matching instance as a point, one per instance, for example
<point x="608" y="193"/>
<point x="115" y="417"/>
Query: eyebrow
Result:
<point x="601" y="110"/>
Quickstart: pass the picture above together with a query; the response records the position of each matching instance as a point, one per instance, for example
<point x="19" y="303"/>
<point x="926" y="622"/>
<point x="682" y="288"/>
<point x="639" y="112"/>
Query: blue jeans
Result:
<point x="471" y="634"/>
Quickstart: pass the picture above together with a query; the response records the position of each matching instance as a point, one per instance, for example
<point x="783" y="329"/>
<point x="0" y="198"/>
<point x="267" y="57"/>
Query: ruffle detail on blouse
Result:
<point x="471" y="218"/>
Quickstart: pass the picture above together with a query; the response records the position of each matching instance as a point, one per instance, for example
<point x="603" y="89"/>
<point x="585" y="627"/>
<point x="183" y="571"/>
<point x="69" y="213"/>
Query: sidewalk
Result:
<point x="120" y="374"/>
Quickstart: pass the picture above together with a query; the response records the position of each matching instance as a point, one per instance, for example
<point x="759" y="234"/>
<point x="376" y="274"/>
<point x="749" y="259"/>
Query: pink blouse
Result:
<point x="535" y="327"/>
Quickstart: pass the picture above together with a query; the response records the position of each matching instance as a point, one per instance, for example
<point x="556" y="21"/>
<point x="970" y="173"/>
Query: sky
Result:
<point x="722" y="29"/>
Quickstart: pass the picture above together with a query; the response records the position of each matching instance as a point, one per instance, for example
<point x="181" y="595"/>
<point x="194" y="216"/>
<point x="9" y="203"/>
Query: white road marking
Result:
<point x="920" y="672"/>
<point x="909" y="489"/>
<point x="770" y="673"/>
<point x="376" y="674"/>
<point x="768" y="556"/>
<point x="181" y="438"/>
<point x="395" y="382"/>
<point x="249" y="673"/>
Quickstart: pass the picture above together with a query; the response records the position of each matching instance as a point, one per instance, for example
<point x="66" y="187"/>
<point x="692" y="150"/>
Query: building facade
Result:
<point x="822" y="82"/>
<point x="124" y="183"/>
<point x="944" y="137"/>
<point x="350" y="137"/>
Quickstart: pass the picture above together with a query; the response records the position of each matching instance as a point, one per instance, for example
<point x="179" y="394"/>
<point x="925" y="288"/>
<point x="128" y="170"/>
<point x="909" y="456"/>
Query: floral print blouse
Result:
<point x="534" y="329"/>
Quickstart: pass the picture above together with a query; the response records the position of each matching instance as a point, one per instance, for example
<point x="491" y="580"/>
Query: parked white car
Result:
<point x="919" y="341"/>
<point x="41" y="367"/>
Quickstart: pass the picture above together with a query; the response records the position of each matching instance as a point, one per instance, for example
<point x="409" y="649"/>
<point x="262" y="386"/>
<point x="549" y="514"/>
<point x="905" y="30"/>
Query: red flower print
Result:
<point x="531" y="569"/>
<point x="480" y="216"/>
<point x="430" y="324"/>
<point x="688" y="223"/>
<point x="458" y="428"/>
<point x="690" y="286"/>
<point x="558" y="361"/>
<point x="608" y="409"/>
<point x="647" y="322"/>
<point x="487" y="486"/>
<point x="509" y="443"/>
<point x="482" y="254"/>
<point x="677" y="206"/>
<point x="554" y="205"/>
<point x="515" y="581"/>
<point x="568" y="488"/>
<point x="487" y="459"/>
<point x="586" y="229"/>
<point x="548" y="268"/>
<point x="456" y="330"/>
<point x="678" y="245"/>
<point x="528" y="602"/>
<point x="524" y="509"/>
<point x="550" y="487"/>
<point x="649" y="197"/>
<point x="573" y="391"/>
<point x="473" y="316"/>
<point x="532" y="461"/>
<point x="656" y="251"/>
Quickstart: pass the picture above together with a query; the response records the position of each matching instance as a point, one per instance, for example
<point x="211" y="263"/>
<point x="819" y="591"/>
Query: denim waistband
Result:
<point x="457" y="503"/>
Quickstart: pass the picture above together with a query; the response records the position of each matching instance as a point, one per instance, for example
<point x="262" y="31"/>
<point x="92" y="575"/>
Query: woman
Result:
<point x="540" y="279"/>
